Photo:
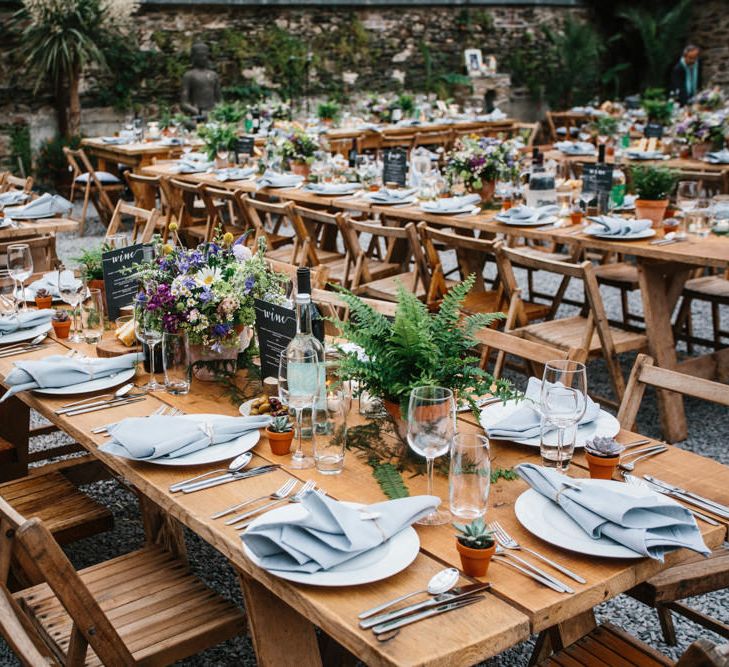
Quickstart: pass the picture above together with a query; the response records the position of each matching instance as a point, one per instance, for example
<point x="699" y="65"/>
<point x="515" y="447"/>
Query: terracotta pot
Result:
<point x="280" y="443"/>
<point x="487" y="192"/>
<point x="699" y="151"/>
<point x="653" y="210"/>
<point x="601" y="467"/>
<point x="61" y="329"/>
<point x="475" y="562"/>
<point x="301" y="169"/>
<point x="43" y="302"/>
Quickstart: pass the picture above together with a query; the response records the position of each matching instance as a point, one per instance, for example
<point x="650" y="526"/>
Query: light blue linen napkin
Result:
<point x="651" y="525"/>
<point x="524" y="213"/>
<point x="332" y="533"/>
<point x="146" y="438"/>
<point x="447" y="204"/>
<point x="575" y="148"/>
<point x="49" y="282"/>
<point x="646" y="155"/>
<point x="715" y="157"/>
<point x="45" y="206"/>
<point x="525" y="422"/>
<point x="190" y="166"/>
<point x="332" y="188"/>
<point x="234" y="173"/>
<point x="25" y="319"/>
<point x="60" y="371"/>
<point x="113" y="141"/>
<point x="13" y="197"/>
<point x="271" y="179"/>
<point x="606" y="224"/>
<point x="390" y="195"/>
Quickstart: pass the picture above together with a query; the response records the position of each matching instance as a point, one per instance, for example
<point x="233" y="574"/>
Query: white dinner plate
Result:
<point x="392" y="202"/>
<point x="605" y="425"/>
<point x="549" y="522"/>
<point x="594" y="230"/>
<point x="455" y="211"/>
<point x="225" y="451"/>
<point x="545" y="220"/>
<point x="92" y="385"/>
<point x="21" y="335"/>
<point x="338" y="193"/>
<point x="389" y="558"/>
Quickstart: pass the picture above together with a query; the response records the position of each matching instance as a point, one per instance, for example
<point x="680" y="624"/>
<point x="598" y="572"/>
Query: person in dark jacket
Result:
<point x="686" y="75"/>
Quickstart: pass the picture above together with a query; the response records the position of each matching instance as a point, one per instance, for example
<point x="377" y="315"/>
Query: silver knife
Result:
<point x="693" y="498"/>
<point x="452" y="596"/>
<point x="554" y="583"/>
<point x="441" y="609"/>
<point x="109" y="404"/>
<point x="228" y="477"/>
<point x="529" y="573"/>
<point x="22" y="350"/>
<point x="676" y="496"/>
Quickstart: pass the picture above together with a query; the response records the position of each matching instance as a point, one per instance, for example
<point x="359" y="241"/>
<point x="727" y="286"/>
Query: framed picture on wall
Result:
<point x="474" y="60"/>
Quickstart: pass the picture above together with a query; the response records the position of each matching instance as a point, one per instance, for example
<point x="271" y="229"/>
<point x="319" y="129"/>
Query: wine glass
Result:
<point x="298" y="387"/>
<point x="586" y="196"/>
<point x="222" y="154"/>
<point x="687" y="196"/>
<point x="148" y="329"/>
<point x="8" y="300"/>
<point x="431" y="428"/>
<point x="563" y="402"/>
<point x="20" y="266"/>
<point x="72" y="289"/>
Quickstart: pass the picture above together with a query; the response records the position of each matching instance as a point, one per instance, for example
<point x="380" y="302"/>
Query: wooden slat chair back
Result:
<point x="711" y="182"/>
<point x="256" y="210"/>
<point x="331" y="305"/>
<point x="396" y="139"/>
<point x="591" y="334"/>
<point x="341" y="146"/>
<point x="216" y="201"/>
<point x="9" y="182"/>
<point x="528" y="133"/>
<point x="144" y="222"/>
<point x="368" y="142"/>
<point x="66" y="613"/>
<point x="440" y="138"/>
<point x="42" y="249"/>
<point x="194" y="223"/>
<point x="564" y="119"/>
<point x="148" y="194"/>
<point x="312" y="229"/>
<point x="319" y="274"/>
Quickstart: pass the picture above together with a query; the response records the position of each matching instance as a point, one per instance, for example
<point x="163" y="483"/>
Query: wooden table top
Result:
<point x="517" y="606"/>
<point x="686" y="164"/>
<point x="27" y="228"/>
<point x="134" y="148"/>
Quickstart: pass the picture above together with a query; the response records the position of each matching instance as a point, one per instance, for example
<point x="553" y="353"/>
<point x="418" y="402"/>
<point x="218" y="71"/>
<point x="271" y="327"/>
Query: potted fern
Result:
<point x="476" y="546"/>
<point x="652" y="185"/>
<point x="417" y="348"/>
<point x="328" y="112"/>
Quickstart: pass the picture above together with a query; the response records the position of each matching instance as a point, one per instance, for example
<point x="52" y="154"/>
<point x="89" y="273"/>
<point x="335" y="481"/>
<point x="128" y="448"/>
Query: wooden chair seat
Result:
<point x="286" y="253"/>
<point x="386" y="288"/>
<point x="618" y="274"/>
<point x="571" y="331"/>
<point x="159" y="609"/>
<point x="67" y="512"/>
<point x="708" y="288"/>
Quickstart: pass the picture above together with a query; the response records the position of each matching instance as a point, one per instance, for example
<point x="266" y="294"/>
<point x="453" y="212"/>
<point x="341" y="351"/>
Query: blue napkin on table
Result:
<point x="332" y="188"/>
<point x="646" y="155"/>
<point x="390" y="195"/>
<point x="527" y="214"/>
<point x="60" y="371"/>
<point x="49" y="282"/>
<point x="13" y="197"/>
<point x="190" y="166"/>
<point x="715" y="157"/>
<point x="447" y="204"/>
<point x="146" y="438"/>
<point x="234" y="173"/>
<point x="575" y="148"/>
<point x="526" y="421"/>
<point x="271" y="179"/>
<point x="46" y="206"/>
<point x="25" y="319"/>
<point x="606" y="224"/>
<point x="332" y="533"/>
<point x="114" y="141"/>
<point x="652" y="525"/>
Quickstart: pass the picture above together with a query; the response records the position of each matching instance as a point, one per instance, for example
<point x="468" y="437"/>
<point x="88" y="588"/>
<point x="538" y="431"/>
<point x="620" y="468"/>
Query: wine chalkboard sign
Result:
<point x="653" y="131"/>
<point x="244" y="146"/>
<point x="395" y="166"/>
<point x="275" y="327"/>
<point x="120" y="281"/>
<point x="597" y="178"/>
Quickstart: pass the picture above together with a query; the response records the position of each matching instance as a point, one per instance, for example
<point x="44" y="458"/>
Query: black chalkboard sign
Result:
<point x="244" y="146"/>
<point x="395" y="166"/>
<point x="120" y="283"/>
<point x="597" y="177"/>
<point x="275" y="327"/>
<point x="653" y="130"/>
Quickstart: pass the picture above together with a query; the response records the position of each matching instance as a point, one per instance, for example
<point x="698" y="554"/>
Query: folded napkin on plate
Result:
<point x="388" y="194"/>
<point x="651" y="525"/>
<point x="234" y="173"/>
<point x="61" y="371"/>
<point x="575" y="148"/>
<point x="523" y="213"/>
<point x="171" y="141"/>
<point x="496" y="114"/>
<point x="525" y="422"/>
<point x="719" y="157"/>
<point x="113" y="140"/>
<point x="13" y="197"/>
<point x="189" y="166"/>
<point x="25" y="319"/>
<point x="273" y="180"/>
<point x="446" y="204"/>
<point x="146" y="438"/>
<point x="646" y="155"/>
<point x="48" y="282"/>
<point x="628" y="202"/>
<point x="45" y="206"/>
<point x="619" y="226"/>
<point x="333" y="188"/>
<point x="332" y="533"/>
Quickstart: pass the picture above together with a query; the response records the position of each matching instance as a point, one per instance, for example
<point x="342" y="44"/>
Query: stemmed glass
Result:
<point x="563" y="402"/>
<point x="687" y="196"/>
<point x="431" y="429"/>
<point x="148" y="330"/>
<point x="20" y="266"/>
<point x="72" y="289"/>
<point x="586" y="196"/>
<point x="298" y="387"/>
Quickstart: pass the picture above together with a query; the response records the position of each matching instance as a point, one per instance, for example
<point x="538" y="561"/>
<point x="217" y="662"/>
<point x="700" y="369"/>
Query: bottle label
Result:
<point x="617" y="194"/>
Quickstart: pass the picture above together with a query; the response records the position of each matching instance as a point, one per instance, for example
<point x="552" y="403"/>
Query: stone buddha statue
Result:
<point x="200" y="85"/>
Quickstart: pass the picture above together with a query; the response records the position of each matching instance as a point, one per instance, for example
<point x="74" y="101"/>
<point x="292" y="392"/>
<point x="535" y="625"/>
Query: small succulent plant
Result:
<point x="42" y="293"/>
<point x="474" y="535"/>
<point x="604" y="447"/>
<point x="280" y="424"/>
<point x="61" y="316"/>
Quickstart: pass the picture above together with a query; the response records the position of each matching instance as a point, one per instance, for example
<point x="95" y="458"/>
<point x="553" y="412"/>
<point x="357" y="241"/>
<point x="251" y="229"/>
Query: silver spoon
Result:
<point x="439" y="583"/>
<point x="630" y="466"/>
<point x="36" y="341"/>
<point x="119" y="393"/>
<point x="235" y="465"/>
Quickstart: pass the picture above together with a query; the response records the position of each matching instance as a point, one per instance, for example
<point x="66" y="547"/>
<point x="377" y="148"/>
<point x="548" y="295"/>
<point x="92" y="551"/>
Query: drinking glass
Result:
<point x="222" y="153"/>
<point x="331" y="431"/>
<point x="586" y="196"/>
<point x="92" y="316"/>
<point x="176" y="362"/>
<point x="687" y="196"/>
<point x="469" y="476"/>
<point x="563" y="401"/>
<point x="72" y="290"/>
<point x="20" y="266"/>
<point x="431" y="427"/>
<point x="8" y="299"/>
<point x="298" y="388"/>
<point x="116" y="241"/>
<point x="148" y="329"/>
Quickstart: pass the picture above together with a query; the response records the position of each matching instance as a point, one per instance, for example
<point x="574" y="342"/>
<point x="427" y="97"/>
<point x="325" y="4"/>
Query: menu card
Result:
<point x="395" y="166"/>
<point x="597" y="177"/>
<point x="120" y="282"/>
<point x="275" y="327"/>
<point x="653" y="131"/>
<point x="244" y="146"/>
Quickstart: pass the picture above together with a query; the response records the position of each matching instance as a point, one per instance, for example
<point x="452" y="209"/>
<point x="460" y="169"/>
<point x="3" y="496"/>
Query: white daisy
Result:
<point x="208" y="276"/>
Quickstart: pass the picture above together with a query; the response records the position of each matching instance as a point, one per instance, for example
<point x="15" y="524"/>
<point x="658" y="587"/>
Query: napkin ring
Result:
<point x="207" y="429"/>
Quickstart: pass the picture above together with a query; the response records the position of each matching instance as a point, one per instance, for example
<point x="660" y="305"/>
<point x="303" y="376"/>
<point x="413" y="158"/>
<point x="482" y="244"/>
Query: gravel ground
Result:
<point x="708" y="426"/>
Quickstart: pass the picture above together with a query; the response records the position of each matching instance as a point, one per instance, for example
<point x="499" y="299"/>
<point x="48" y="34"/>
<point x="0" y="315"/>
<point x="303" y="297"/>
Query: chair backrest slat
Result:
<point x="144" y="220"/>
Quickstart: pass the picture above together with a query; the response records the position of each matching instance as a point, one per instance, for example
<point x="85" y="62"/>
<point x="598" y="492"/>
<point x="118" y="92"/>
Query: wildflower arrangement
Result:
<point x="298" y="146"/>
<point x="710" y="99"/>
<point x="703" y="128"/>
<point x="215" y="134"/>
<point x="207" y="291"/>
<point x="478" y="161"/>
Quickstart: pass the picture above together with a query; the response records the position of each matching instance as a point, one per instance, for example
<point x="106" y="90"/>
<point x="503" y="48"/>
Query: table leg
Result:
<point x="561" y="635"/>
<point x="162" y="529"/>
<point x="280" y="635"/>
<point x="661" y="284"/>
<point x="14" y="438"/>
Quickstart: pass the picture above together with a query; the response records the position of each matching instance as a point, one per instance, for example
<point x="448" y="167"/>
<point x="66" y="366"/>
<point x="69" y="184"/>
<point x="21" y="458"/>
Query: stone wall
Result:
<point x="710" y="31"/>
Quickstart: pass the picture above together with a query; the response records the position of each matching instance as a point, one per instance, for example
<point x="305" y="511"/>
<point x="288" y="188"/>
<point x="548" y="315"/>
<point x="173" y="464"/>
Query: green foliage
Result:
<point x="280" y="424"/>
<point x="227" y="112"/>
<point x="20" y="146"/>
<point x="51" y="165"/>
<point x="389" y="479"/>
<point x="90" y="260"/>
<point x="652" y="183"/>
<point x="217" y="134"/>
<point x="406" y="103"/>
<point x="329" y="110"/>
<point x="250" y="92"/>
<point x="503" y="473"/>
<point x="418" y="348"/>
<point x="474" y="535"/>
<point x="607" y="125"/>
<point x="656" y="106"/>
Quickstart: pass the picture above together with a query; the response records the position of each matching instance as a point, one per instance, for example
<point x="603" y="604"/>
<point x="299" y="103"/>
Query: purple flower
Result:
<point x="221" y="330"/>
<point x="250" y="282"/>
<point x="205" y="295"/>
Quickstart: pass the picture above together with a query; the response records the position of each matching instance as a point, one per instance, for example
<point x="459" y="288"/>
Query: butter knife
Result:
<point x="387" y="628"/>
<point x="228" y="477"/>
<point x="693" y="498"/>
<point x="108" y="404"/>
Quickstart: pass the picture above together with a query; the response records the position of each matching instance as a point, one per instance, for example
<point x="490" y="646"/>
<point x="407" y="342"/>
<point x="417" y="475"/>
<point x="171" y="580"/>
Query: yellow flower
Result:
<point x="493" y="388"/>
<point x="173" y="227"/>
<point x="166" y="249"/>
<point x="227" y="238"/>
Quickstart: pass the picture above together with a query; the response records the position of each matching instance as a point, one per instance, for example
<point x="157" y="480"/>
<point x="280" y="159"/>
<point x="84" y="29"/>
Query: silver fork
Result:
<point x="508" y="542"/>
<point x="295" y="498"/>
<point x="159" y="411"/>
<point x="280" y="493"/>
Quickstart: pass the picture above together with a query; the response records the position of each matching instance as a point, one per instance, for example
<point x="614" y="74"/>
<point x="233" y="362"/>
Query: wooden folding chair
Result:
<point x="219" y="202"/>
<point x="434" y="139"/>
<point x="528" y="133"/>
<point x="331" y="305"/>
<point x="588" y="332"/>
<point x="96" y="186"/>
<point x="144" y="222"/>
<point x="711" y="182"/>
<point x="192" y="216"/>
<point x="145" y="190"/>
<point x="715" y="290"/>
<point x="564" y="124"/>
<point x="319" y="274"/>
<point x="142" y="608"/>
<point x="42" y="250"/>
<point x="9" y="182"/>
